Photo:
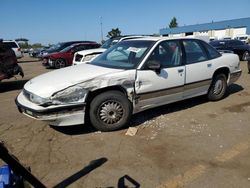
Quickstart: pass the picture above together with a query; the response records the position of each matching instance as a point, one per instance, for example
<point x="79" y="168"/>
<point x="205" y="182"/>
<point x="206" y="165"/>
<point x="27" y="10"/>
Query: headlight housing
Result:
<point x="35" y="98"/>
<point x="88" y="58"/>
<point x="74" y="94"/>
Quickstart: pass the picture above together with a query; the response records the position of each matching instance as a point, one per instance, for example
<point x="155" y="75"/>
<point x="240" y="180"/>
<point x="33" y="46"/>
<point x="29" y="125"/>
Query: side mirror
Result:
<point x="154" y="65"/>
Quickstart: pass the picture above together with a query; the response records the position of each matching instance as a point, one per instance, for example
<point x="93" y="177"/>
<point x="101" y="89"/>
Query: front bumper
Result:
<point x="235" y="76"/>
<point x="55" y="115"/>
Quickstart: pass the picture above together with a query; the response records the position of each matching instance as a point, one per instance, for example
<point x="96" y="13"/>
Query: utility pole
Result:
<point x="101" y="29"/>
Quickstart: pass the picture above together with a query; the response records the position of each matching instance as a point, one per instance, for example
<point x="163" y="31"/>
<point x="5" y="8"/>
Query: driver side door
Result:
<point x="163" y="86"/>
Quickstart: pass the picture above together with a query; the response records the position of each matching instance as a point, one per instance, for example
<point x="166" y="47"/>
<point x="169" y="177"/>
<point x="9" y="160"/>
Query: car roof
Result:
<point x="149" y="38"/>
<point x="9" y="41"/>
<point x="224" y="40"/>
<point x="79" y="41"/>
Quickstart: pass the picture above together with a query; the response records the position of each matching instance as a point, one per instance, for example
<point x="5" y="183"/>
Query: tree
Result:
<point x="114" y="33"/>
<point x="173" y="23"/>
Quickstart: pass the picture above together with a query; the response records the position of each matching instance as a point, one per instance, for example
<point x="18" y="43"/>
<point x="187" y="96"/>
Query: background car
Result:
<point x="65" y="57"/>
<point x="86" y="56"/>
<point x="14" y="46"/>
<point x="60" y="46"/>
<point x="238" y="47"/>
<point x="243" y="38"/>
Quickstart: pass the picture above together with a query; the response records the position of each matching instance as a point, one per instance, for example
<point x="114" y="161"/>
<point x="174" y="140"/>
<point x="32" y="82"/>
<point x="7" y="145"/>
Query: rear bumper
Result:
<point x="235" y="76"/>
<point x="57" y="115"/>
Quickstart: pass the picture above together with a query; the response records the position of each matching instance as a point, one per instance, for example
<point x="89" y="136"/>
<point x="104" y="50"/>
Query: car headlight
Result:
<point x="88" y="58"/>
<point x="74" y="94"/>
<point x="35" y="98"/>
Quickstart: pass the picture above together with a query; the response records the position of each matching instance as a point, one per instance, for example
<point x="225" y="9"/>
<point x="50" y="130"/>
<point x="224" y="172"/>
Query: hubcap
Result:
<point x="218" y="87"/>
<point x="60" y="63"/>
<point x="111" y="112"/>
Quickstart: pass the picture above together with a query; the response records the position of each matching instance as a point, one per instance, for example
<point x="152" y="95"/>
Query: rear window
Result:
<point x="10" y="44"/>
<point x="213" y="53"/>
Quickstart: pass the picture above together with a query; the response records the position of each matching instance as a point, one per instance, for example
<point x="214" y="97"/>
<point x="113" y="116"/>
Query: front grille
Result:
<point x="78" y="57"/>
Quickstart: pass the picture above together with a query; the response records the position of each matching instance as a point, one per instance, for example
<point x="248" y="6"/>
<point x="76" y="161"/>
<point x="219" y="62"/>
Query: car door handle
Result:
<point x="209" y="65"/>
<point x="180" y="70"/>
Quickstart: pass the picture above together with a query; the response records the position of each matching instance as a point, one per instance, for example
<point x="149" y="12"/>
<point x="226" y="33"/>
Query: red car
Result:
<point x="65" y="57"/>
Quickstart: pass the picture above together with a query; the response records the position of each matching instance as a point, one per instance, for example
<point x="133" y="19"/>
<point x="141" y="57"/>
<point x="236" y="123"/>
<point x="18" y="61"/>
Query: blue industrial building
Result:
<point x="230" y="28"/>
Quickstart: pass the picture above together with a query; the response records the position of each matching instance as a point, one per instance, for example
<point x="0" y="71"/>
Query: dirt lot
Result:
<point x="193" y="143"/>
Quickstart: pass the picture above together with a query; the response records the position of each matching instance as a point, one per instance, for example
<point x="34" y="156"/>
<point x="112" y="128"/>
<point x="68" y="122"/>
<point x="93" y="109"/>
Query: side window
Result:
<point x="213" y="53"/>
<point x="194" y="52"/>
<point x="167" y="53"/>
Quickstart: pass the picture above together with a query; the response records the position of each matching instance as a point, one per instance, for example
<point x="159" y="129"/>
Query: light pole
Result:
<point x="101" y="29"/>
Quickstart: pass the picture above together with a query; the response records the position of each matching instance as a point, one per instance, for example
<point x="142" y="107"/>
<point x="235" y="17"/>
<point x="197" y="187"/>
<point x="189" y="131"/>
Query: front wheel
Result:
<point x="110" y="111"/>
<point x="60" y="63"/>
<point x="218" y="87"/>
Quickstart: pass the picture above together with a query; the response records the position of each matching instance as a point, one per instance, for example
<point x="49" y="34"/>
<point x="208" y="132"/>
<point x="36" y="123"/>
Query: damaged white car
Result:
<point x="129" y="77"/>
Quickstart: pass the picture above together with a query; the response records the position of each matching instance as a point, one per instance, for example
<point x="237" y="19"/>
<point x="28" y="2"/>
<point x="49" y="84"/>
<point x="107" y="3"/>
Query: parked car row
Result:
<point x="129" y="77"/>
<point x="64" y="57"/>
<point x="86" y="56"/>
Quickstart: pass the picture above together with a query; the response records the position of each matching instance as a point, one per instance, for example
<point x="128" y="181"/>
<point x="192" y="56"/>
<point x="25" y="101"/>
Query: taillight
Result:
<point x="18" y="49"/>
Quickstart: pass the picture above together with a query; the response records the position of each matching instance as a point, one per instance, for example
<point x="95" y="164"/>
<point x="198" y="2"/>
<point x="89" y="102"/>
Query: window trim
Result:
<point x="185" y="54"/>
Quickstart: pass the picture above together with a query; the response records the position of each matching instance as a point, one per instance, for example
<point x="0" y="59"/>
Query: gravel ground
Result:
<point x="193" y="143"/>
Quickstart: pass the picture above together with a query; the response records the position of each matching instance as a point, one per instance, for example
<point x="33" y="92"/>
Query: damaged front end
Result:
<point x="64" y="108"/>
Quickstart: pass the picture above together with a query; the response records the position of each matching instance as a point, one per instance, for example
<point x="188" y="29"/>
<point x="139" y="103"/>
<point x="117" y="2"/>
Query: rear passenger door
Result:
<point x="199" y="68"/>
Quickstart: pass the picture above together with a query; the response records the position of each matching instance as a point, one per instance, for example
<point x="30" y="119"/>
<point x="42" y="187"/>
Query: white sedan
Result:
<point x="129" y="77"/>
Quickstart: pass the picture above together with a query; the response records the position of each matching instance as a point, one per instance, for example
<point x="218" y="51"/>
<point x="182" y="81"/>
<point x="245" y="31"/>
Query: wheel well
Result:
<point x="223" y="70"/>
<point x="92" y="94"/>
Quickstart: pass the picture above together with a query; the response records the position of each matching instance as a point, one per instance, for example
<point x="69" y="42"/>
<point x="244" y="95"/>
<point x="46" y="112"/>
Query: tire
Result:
<point x="218" y="87"/>
<point x="110" y="111"/>
<point x="245" y="56"/>
<point x="60" y="63"/>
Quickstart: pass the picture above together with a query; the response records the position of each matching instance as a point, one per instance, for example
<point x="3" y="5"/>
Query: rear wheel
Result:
<point x="218" y="87"/>
<point x="60" y="63"/>
<point x="110" y="111"/>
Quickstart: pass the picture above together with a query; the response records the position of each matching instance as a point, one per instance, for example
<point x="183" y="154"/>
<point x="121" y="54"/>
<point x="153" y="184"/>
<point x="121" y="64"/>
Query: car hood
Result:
<point x="91" y="51"/>
<point x="47" y="84"/>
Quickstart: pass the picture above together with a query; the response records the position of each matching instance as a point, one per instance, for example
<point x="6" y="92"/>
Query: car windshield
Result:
<point x="124" y="55"/>
<point x="66" y="49"/>
<point x="242" y="38"/>
<point x="107" y="44"/>
<point x="55" y="47"/>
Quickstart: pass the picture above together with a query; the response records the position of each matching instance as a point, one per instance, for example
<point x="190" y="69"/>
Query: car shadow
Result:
<point x="12" y="85"/>
<point x="150" y="114"/>
<point x="177" y="106"/>
<point x="29" y="61"/>
<point x="75" y="129"/>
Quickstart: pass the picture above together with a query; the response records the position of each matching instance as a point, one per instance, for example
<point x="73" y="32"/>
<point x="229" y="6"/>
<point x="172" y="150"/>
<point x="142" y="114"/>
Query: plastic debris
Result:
<point x="131" y="131"/>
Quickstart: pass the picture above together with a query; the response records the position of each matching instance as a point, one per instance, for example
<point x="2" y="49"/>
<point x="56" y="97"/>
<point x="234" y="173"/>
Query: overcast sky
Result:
<point x="52" y="21"/>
